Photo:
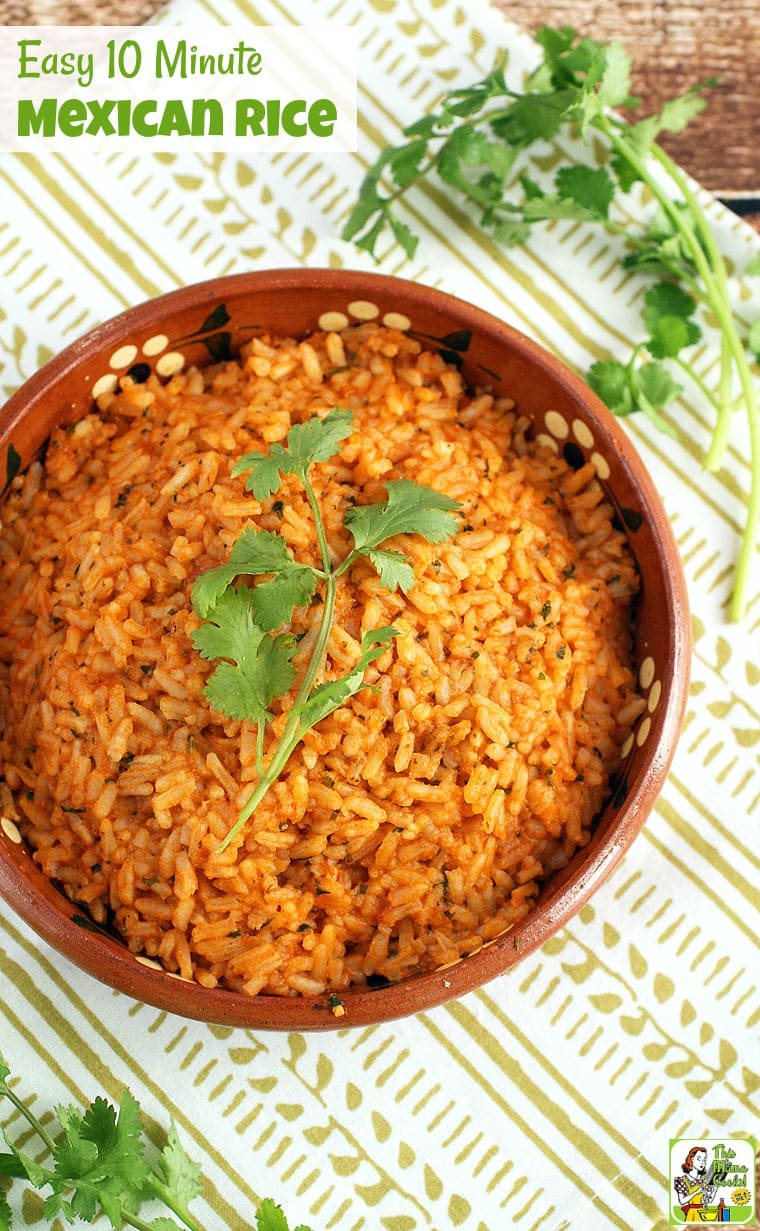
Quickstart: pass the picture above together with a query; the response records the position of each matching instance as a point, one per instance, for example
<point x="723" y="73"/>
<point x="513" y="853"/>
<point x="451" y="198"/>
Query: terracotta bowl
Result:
<point x="209" y="321"/>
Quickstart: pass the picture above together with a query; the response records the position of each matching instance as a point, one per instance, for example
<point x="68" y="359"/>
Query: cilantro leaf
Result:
<point x="627" y="175"/>
<point x="261" y="666"/>
<point x="230" y="630"/>
<point x="466" y="147"/>
<point x="179" y="1173"/>
<point x="76" y="1154"/>
<point x="176" y="1180"/>
<point x="265" y="470"/>
<point x="610" y="381"/>
<point x="625" y="388"/>
<point x="315" y="440"/>
<point x="275" y="671"/>
<point x="614" y="89"/>
<point x="269" y="1217"/>
<point x="551" y="205"/>
<point x="678" y="112"/>
<point x="274" y="601"/>
<point x="532" y="190"/>
<point x="664" y="256"/>
<point x="369" y="239"/>
<point x="101" y="1157"/>
<point x="590" y="187"/>
<point x="640" y="137"/>
<point x="512" y="233"/>
<point x="36" y="1174"/>
<point x="667" y="299"/>
<point x="410" y="508"/>
<point x="254" y="552"/>
<point x="666" y="314"/>
<point x="99" y="1168"/>
<point x="668" y="245"/>
<point x="406" y="160"/>
<point x="404" y="235"/>
<point x="247" y="693"/>
<point x="655" y="388"/>
<point x="555" y="40"/>
<point x="658" y="385"/>
<point x="328" y="696"/>
<point x="393" y="568"/>
<point x="670" y="334"/>
<point x="230" y="692"/>
<point x="538" y="116"/>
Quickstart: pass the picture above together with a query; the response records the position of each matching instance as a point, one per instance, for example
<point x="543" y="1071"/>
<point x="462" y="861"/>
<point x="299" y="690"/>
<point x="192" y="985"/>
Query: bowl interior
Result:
<point x="208" y="323"/>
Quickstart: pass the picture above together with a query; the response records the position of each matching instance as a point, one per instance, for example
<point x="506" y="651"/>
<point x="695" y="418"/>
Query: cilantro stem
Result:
<point x="328" y="606"/>
<point x="734" y="345"/>
<point x="292" y="732"/>
<point x="579" y="83"/>
<point x="724" y="407"/>
<point x="624" y="147"/>
<point x="289" y="741"/>
<point x="164" y="1193"/>
<point x="719" y="301"/>
<point x="711" y="267"/>
<point x="697" y="380"/>
<point x="28" y="1115"/>
<point x="751" y="534"/>
<point x="142" y="1224"/>
<point x="258" y="667"/>
<point x="69" y="1182"/>
<point x="259" y="754"/>
<point x="115" y="1184"/>
<point x="717" y="263"/>
<point x="350" y="559"/>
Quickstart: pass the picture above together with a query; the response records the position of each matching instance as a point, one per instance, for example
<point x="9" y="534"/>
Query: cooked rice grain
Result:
<point x="413" y="824"/>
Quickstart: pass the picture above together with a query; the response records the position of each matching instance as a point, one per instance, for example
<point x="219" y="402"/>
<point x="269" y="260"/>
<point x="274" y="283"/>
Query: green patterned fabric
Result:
<point x="547" y="1099"/>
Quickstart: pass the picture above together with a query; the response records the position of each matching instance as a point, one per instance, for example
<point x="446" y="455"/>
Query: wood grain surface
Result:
<point x="675" y="43"/>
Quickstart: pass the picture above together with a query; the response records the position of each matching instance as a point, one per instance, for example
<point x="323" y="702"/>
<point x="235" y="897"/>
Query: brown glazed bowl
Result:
<point x="208" y="322"/>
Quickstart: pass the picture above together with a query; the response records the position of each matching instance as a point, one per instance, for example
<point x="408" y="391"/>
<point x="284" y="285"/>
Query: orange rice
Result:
<point x="416" y="822"/>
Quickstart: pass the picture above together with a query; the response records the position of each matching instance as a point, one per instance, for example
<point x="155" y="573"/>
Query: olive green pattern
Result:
<point x="546" y="1100"/>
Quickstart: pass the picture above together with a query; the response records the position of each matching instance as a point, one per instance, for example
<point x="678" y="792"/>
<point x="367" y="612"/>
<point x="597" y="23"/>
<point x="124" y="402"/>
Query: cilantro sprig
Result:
<point x="247" y="626"/>
<point x="477" y="141"/>
<point x="102" y="1164"/>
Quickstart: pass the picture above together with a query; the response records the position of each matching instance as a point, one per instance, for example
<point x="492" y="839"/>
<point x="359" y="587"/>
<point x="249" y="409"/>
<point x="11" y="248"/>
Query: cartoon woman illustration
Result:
<point x="695" y="1189"/>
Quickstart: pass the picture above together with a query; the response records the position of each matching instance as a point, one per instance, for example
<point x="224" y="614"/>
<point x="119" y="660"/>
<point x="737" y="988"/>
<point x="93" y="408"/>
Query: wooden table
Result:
<point x="675" y="43"/>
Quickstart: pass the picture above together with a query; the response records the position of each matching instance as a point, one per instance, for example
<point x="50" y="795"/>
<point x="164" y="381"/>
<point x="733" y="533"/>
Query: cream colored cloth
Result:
<point x="547" y="1099"/>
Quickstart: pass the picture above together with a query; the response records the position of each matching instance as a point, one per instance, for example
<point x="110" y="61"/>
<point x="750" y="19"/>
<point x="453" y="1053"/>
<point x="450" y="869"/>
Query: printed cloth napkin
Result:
<point x="548" y="1098"/>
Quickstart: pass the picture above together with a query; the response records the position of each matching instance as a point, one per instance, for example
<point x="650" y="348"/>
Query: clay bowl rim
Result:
<point x="53" y="917"/>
